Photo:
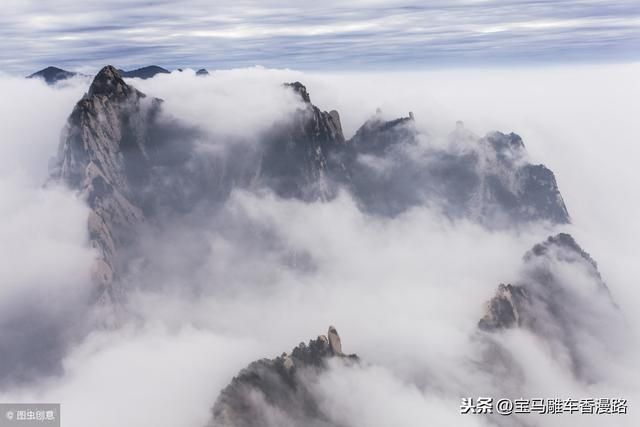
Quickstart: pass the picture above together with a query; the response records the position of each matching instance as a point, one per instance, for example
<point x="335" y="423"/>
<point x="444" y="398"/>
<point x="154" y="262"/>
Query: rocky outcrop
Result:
<point x="275" y="392"/>
<point x="52" y="75"/>
<point x="104" y="151"/>
<point x="561" y="298"/>
<point x="134" y="169"/>
<point x="202" y="72"/>
<point x="384" y="176"/>
<point x="490" y="180"/>
<point x="390" y="167"/>
<point x="300" y="156"/>
<point x="512" y="304"/>
<point x="511" y="188"/>
<point x="503" y="311"/>
<point x="378" y="136"/>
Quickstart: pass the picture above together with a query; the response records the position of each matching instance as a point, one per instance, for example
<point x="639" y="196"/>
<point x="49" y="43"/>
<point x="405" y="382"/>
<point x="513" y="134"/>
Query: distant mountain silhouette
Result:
<point x="144" y="72"/>
<point x="52" y="75"/>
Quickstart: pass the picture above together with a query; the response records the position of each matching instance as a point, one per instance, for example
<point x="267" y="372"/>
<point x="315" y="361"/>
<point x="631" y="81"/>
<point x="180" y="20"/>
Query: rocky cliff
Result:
<point x="298" y="158"/>
<point x="276" y="392"/>
<point x="393" y="167"/>
<point x="134" y="168"/>
<point x="561" y="298"/>
<point x="104" y="151"/>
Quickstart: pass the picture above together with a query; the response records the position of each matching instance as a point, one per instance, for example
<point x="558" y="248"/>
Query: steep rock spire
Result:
<point x="108" y="82"/>
<point x="103" y="147"/>
<point x="280" y="384"/>
<point x="560" y="297"/>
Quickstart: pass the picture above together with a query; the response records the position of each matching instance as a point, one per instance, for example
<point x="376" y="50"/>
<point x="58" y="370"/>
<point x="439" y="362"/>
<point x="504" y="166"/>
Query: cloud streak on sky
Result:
<point x="304" y="35"/>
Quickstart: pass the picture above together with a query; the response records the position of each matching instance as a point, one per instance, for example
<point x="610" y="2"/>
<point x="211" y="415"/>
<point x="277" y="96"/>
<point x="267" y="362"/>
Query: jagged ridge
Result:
<point x="280" y="385"/>
<point x="562" y="309"/>
<point x="131" y="167"/>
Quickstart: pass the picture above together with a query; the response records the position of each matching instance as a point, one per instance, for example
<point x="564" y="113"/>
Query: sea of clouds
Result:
<point x="263" y="273"/>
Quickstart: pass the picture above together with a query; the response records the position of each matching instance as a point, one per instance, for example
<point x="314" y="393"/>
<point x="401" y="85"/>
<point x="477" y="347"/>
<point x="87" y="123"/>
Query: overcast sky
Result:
<point x="314" y="35"/>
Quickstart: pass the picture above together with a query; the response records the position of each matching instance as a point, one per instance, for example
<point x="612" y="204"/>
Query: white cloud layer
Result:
<point x="264" y="273"/>
<point x="44" y="253"/>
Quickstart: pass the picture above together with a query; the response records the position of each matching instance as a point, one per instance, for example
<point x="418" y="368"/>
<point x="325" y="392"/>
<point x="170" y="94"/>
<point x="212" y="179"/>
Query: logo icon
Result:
<point x="9" y="415"/>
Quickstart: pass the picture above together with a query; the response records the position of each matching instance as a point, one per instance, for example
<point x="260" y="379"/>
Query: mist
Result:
<point x="219" y="289"/>
<point x="44" y="254"/>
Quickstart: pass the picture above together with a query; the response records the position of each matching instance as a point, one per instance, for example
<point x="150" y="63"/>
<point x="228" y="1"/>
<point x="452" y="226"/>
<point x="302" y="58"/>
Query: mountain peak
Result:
<point x="505" y="144"/>
<point x="301" y="90"/>
<point x="566" y="243"/>
<point x="103" y="151"/>
<point x="560" y="297"/>
<point x="145" y="72"/>
<point x="377" y="135"/>
<point x="284" y="383"/>
<point x="52" y="75"/>
<point x="108" y="82"/>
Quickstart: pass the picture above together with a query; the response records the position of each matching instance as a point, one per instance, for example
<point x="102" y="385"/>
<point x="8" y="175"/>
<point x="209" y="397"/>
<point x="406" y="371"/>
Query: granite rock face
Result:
<point x="276" y="392"/>
<point x="503" y="311"/>
<point x="509" y="306"/>
<point x="562" y="299"/>
<point x="136" y="169"/>
<point x="389" y="166"/>
<point x="512" y="187"/>
<point x="378" y="136"/>
<point x="384" y="175"/>
<point x="488" y="180"/>
<point x="104" y="151"/>
<point x="299" y="155"/>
